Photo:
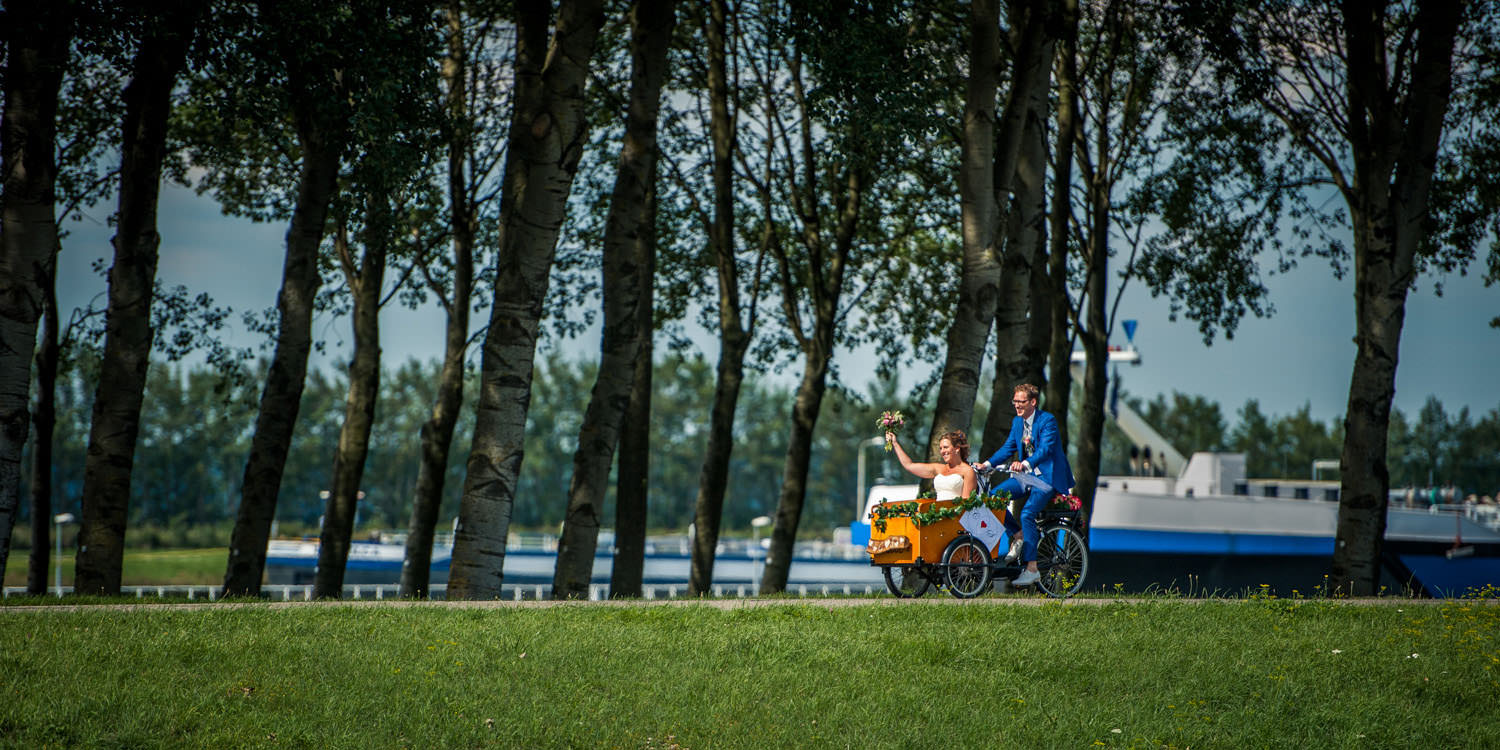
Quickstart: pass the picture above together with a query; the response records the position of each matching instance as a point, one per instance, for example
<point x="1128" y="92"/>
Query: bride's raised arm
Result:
<point x="925" y="471"/>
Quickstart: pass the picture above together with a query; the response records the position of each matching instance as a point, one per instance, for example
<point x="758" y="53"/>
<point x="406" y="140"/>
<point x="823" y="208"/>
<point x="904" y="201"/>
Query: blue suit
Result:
<point x="1046" y="455"/>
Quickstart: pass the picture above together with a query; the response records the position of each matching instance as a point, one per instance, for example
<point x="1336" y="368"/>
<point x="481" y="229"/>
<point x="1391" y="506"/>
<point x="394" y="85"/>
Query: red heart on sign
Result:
<point x="984" y="524"/>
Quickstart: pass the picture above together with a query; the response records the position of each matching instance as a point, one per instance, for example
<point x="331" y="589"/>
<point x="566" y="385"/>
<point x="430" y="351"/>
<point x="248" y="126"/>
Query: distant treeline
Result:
<point x="1432" y="448"/>
<point x="196" y="432"/>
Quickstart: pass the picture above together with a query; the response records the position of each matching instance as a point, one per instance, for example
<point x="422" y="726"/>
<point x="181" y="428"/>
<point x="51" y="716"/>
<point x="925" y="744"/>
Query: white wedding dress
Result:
<point x="948" y="486"/>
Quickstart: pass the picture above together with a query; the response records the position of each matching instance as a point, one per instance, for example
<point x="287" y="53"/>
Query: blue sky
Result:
<point x="1300" y="355"/>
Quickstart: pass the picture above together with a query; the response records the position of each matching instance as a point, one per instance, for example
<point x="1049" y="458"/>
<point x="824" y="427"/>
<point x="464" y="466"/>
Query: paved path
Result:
<point x="726" y="604"/>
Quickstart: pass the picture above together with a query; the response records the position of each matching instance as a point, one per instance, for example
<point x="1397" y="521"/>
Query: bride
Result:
<point x="953" y="478"/>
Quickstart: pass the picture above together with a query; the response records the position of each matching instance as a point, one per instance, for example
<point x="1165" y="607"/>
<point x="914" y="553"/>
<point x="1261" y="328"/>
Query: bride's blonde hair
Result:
<point x="960" y="442"/>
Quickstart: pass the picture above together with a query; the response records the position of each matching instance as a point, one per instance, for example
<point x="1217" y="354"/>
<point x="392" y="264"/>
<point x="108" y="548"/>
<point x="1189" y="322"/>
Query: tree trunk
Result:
<point x="1015" y="358"/>
<point x="36" y="38"/>
<point x="1380" y="311"/>
<point x="437" y="431"/>
<point x="321" y="135"/>
<point x="546" y="140"/>
<point x="627" y="233"/>
<point x="1039" y="324"/>
<point x="985" y="180"/>
<point x="980" y="212"/>
<point x="824" y="293"/>
<point x="734" y="339"/>
<point x="794" y="475"/>
<point x="1394" y="159"/>
<point x="127" y="327"/>
<point x="632" y="479"/>
<point x="359" y="403"/>
<point x="1095" y="331"/>
<point x="45" y="419"/>
<point x="1059" y="357"/>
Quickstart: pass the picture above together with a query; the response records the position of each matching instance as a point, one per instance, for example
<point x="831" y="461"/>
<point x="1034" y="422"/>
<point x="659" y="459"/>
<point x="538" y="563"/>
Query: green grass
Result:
<point x="170" y="567"/>
<point x="1257" y="673"/>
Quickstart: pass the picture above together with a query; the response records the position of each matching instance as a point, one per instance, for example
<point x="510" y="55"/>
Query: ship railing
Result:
<point x="1485" y="515"/>
<point x="508" y="592"/>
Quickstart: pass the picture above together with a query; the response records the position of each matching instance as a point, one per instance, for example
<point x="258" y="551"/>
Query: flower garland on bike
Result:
<point x="934" y="513"/>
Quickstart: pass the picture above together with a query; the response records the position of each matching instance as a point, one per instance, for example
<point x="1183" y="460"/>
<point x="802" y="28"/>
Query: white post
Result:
<point x="756" y="524"/>
<point x="57" y="523"/>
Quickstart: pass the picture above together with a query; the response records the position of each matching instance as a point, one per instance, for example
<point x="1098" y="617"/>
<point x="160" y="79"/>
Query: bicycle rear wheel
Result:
<point x="966" y="567"/>
<point x="1062" y="559"/>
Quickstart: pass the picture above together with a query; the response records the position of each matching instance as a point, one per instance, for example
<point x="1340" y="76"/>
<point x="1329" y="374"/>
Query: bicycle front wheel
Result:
<point x="905" y="582"/>
<point x="1062" y="559"/>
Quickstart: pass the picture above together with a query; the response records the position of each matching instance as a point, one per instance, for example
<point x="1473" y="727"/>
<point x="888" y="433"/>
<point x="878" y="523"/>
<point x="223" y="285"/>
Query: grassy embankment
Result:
<point x="1164" y="673"/>
<point x="169" y="567"/>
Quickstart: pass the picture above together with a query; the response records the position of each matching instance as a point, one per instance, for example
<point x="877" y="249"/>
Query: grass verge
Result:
<point x="166" y="567"/>
<point x="1259" y="673"/>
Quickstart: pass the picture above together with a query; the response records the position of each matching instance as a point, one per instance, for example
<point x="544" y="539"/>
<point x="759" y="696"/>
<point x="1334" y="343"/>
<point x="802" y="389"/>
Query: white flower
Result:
<point x="1337" y="651"/>
<point x="1413" y="656"/>
<point x="1114" y="731"/>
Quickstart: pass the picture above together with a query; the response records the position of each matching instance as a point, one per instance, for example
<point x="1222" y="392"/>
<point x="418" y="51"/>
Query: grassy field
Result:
<point x="170" y="567"/>
<point x="1256" y="673"/>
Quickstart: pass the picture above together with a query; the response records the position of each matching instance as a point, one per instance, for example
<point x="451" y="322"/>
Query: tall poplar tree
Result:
<point x="164" y="36"/>
<point x="628" y="237"/>
<point x="303" y="66"/>
<point x="36" y="36"/>
<point x="546" y="139"/>
<point x="1390" y="105"/>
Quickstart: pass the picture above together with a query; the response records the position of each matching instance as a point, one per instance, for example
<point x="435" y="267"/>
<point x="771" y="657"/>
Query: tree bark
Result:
<point x="794" y="474"/>
<point x="1059" y="357"/>
<point x="363" y="393"/>
<point x="45" y="419"/>
<point x="322" y="131"/>
<point x="37" y="35"/>
<point x="437" y="431"/>
<point x="127" y="328"/>
<point x="734" y="339"/>
<point x="627" y="232"/>
<point x="1394" y="144"/>
<point x="1099" y="174"/>
<point x="987" y="173"/>
<point x="546" y="141"/>
<point x="979" y="206"/>
<point x="632" y="479"/>
<point x="1015" y="357"/>
<point x="1095" y="338"/>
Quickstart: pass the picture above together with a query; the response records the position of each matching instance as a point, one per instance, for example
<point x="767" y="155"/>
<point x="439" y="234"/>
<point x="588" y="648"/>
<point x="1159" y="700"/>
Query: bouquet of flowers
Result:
<point x="1065" y="502"/>
<point x="890" y="421"/>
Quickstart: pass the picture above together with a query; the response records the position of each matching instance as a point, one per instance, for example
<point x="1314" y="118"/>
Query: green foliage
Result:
<point x="1437" y="448"/>
<point x="874" y="73"/>
<point x="1257" y="673"/>
<point x="1261" y="150"/>
<point x="237" y="123"/>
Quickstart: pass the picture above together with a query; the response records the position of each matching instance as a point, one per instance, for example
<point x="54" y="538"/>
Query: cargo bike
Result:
<point x="915" y="557"/>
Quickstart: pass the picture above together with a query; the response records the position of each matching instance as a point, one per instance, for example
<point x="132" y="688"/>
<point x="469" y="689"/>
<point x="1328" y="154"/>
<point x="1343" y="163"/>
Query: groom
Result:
<point x="1038" y="451"/>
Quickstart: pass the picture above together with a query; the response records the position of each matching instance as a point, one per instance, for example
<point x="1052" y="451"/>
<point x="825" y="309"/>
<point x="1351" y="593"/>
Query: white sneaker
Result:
<point x="1015" y="550"/>
<point x="1026" y="579"/>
